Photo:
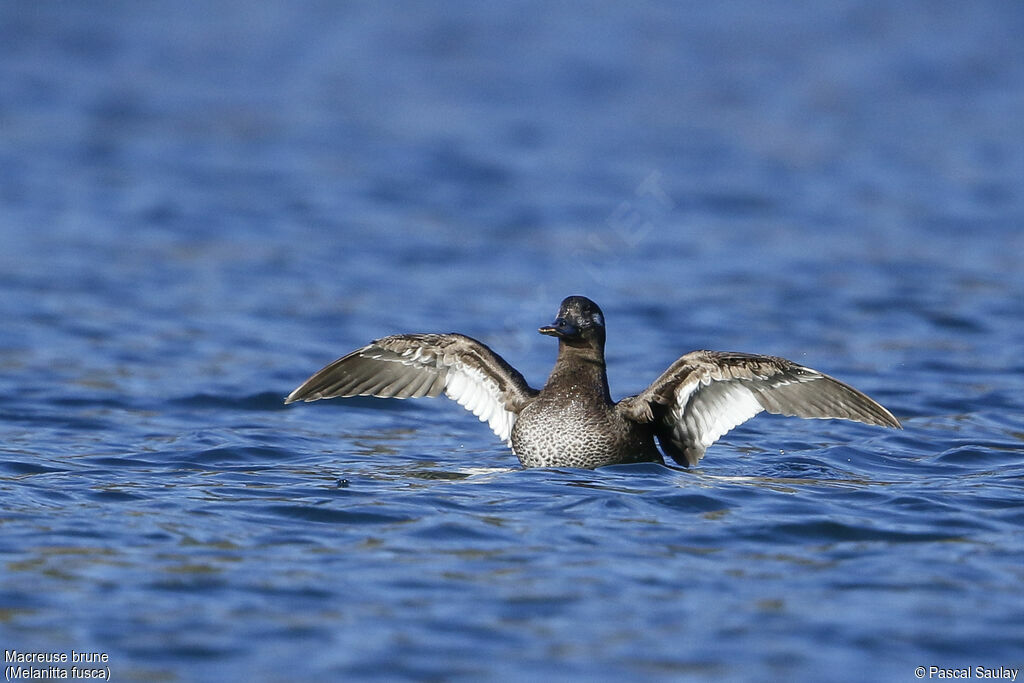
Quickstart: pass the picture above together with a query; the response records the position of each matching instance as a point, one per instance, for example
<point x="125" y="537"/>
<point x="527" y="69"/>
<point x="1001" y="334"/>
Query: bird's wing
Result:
<point x="704" y="394"/>
<point x="415" y="365"/>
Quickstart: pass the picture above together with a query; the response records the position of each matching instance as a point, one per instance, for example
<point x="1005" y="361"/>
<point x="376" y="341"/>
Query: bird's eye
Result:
<point x="598" y="319"/>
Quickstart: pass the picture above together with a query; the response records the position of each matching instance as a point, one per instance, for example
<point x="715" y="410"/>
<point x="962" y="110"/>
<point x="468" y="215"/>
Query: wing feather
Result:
<point x="705" y="394"/>
<point x="415" y="365"/>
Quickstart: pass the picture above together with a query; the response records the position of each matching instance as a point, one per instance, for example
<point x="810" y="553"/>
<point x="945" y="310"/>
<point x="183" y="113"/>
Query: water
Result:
<point x="200" y="206"/>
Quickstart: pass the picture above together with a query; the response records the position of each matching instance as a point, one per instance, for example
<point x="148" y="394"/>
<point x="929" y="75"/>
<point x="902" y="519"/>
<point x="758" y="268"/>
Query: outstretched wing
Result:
<point x="415" y="365"/>
<point x="704" y="394"/>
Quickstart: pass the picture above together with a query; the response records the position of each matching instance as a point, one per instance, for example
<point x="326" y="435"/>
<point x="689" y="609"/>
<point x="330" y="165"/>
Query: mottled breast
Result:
<point x="569" y="433"/>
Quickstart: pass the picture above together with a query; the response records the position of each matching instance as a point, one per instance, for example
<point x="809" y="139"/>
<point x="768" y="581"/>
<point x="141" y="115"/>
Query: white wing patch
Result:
<point x="706" y="408"/>
<point x="715" y="410"/>
<point x="477" y="393"/>
<point x="470" y="387"/>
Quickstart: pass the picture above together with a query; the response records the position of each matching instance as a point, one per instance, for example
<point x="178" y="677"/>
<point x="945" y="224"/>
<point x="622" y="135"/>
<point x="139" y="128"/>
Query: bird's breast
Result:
<point x="574" y="433"/>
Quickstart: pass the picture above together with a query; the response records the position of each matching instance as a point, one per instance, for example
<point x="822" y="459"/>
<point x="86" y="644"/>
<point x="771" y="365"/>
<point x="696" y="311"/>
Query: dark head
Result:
<point x="580" y="323"/>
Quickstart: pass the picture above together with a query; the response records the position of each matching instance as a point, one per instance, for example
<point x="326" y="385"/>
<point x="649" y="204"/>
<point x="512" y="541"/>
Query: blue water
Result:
<point x="201" y="204"/>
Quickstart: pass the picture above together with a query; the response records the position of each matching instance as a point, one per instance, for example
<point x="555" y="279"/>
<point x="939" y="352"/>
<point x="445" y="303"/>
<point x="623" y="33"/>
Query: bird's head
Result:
<point x="580" y="322"/>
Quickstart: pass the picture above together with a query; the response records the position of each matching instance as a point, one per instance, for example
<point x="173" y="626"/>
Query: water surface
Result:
<point x="200" y="206"/>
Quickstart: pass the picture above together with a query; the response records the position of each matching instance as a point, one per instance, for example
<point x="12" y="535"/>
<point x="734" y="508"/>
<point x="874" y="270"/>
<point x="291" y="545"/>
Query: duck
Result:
<point x="573" y="421"/>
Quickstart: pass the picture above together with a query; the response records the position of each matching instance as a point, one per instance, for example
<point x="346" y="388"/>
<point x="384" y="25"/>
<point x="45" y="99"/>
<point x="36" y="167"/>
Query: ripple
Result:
<point x="266" y="400"/>
<point x="238" y="454"/>
<point x="831" y="531"/>
<point x="328" y="515"/>
<point x="114" y="495"/>
<point x="17" y="467"/>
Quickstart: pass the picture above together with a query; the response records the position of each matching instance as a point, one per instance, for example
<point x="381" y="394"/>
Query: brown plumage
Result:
<point x="572" y="421"/>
